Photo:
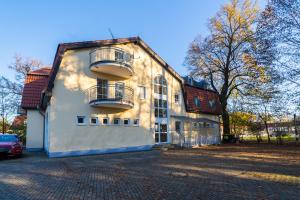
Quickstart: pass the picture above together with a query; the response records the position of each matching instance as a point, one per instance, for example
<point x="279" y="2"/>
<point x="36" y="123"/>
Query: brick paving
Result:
<point x="214" y="172"/>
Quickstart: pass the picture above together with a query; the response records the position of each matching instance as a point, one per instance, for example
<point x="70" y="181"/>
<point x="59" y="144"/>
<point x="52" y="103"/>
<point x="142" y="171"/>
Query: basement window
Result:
<point x="105" y="121"/>
<point x="136" y="122"/>
<point x="126" y="122"/>
<point x="117" y="121"/>
<point x="81" y="120"/>
<point x="94" y="121"/>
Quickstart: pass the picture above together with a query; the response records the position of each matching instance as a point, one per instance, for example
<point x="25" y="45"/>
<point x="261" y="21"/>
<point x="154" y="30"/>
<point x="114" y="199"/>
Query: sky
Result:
<point x="34" y="28"/>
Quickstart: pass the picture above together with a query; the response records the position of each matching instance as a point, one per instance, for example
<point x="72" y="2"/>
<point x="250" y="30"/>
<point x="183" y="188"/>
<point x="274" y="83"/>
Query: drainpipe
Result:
<point x="43" y="114"/>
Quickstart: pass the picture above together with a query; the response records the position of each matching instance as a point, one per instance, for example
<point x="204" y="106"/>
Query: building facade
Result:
<point x="115" y="96"/>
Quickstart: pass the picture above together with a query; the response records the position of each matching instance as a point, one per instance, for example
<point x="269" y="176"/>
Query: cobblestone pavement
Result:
<point x="215" y="172"/>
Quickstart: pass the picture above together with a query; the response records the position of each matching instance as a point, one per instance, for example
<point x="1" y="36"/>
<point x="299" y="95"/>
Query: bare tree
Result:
<point x="279" y="24"/>
<point x="11" y="91"/>
<point x="8" y="104"/>
<point x="232" y="58"/>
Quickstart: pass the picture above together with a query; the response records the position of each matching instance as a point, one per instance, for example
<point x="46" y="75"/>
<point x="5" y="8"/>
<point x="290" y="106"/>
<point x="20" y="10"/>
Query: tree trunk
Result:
<point x="226" y="123"/>
<point x="3" y="125"/>
<point x="267" y="130"/>
<point x="296" y="131"/>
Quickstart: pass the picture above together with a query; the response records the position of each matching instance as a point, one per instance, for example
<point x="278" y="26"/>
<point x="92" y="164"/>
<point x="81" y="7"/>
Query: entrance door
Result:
<point x="161" y="132"/>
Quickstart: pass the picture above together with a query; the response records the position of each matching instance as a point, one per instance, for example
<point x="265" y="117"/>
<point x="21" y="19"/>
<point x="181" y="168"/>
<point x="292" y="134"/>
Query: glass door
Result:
<point x="161" y="132"/>
<point x="102" y="89"/>
<point x="119" y="90"/>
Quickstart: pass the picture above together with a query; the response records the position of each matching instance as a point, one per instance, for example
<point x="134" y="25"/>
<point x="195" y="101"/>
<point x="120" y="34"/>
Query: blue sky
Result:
<point x="34" y="28"/>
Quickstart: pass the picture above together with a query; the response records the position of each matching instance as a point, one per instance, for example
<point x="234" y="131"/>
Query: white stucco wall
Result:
<point x="34" y="135"/>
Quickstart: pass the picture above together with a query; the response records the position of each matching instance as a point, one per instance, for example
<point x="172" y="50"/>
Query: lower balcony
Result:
<point x="111" y="96"/>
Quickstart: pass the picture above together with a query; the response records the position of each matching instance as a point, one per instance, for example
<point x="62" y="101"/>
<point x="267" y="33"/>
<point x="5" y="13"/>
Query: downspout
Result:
<point x="43" y="114"/>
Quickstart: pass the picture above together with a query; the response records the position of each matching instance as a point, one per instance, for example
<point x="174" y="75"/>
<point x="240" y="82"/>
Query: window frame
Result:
<point x="178" y="101"/>
<point x="138" y="122"/>
<point x="97" y="121"/>
<point x="119" y="121"/>
<point x="84" y="120"/>
<point x="197" y="101"/>
<point x="128" y="122"/>
<point x="105" y="124"/>
<point x="144" y="92"/>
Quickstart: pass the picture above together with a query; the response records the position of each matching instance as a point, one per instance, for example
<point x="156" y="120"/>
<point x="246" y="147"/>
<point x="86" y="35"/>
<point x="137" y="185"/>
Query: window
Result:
<point x="105" y="121"/>
<point x="197" y="102"/>
<point x="94" y="121"/>
<point x="201" y="124"/>
<point x="177" y="98"/>
<point x="142" y="92"/>
<point x="126" y="122"/>
<point x="119" y="90"/>
<point x="117" y="121"/>
<point x="195" y="125"/>
<point x="119" y="56"/>
<point x="160" y="85"/>
<point x="136" y="122"/>
<point x="160" y="108"/>
<point x="178" y="126"/>
<point x="80" y="120"/>
<point x="102" y="89"/>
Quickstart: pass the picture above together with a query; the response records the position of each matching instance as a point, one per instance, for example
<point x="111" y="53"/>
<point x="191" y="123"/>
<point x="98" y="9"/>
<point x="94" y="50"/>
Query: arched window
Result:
<point x="160" y="85"/>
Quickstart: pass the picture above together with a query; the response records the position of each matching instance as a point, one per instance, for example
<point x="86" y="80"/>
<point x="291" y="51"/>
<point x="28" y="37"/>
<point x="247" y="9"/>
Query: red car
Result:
<point x="10" y="144"/>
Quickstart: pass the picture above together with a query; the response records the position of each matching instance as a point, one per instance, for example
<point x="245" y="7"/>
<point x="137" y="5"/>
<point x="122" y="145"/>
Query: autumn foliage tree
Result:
<point x="232" y="58"/>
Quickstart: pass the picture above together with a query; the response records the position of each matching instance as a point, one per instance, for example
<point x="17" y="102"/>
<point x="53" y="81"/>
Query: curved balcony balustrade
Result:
<point x="112" y="61"/>
<point x="111" y="96"/>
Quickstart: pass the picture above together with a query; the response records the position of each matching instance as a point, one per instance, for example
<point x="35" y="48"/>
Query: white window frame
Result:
<point x="119" y="122"/>
<point x="177" y="102"/>
<point x="138" y="122"/>
<point x="97" y="121"/>
<point x="141" y="87"/>
<point x="107" y="121"/>
<point x="84" y="120"/>
<point x="128" y="122"/>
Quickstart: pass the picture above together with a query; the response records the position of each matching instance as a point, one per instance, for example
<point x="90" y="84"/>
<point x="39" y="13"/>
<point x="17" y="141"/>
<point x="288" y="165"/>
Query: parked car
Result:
<point x="10" y="144"/>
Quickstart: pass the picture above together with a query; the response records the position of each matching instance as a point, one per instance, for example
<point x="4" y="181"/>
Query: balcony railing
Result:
<point x="104" y="59"/>
<point x="111" y="95"/>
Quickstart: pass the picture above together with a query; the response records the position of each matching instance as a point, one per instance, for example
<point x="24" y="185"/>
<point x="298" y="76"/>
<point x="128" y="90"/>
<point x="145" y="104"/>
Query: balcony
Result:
<point x="112" y="61"/>
<point x="111" y="96"/>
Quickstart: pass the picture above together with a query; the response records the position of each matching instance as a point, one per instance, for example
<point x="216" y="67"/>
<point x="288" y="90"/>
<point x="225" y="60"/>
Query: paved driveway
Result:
<point x="223" y="172"/>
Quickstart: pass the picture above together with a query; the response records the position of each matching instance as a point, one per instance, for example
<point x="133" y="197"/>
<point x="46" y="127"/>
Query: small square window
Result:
<point x="136" y="122"/>
<point x="117" y="121"/>
<point x="126" y="122"/>
<point x="195" y="124"/>
<point x="177" y="98"/>
<point x="142" y="92"/>
<point x="105" y="121"/>
<point x="80" y="120"/>
<point x="94" y="121"/>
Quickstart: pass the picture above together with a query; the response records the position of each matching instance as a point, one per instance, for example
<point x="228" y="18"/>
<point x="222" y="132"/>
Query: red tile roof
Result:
<point x="36" y="81"/>
<point x="209" y="100"/>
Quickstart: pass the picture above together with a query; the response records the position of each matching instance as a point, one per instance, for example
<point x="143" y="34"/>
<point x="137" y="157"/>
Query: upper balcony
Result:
<point x="111" y="96"/>
<point x="113" y="61"/>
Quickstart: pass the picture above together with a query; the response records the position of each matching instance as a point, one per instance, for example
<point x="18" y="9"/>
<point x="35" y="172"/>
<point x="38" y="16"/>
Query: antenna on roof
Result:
<point x="111" y="34"/>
